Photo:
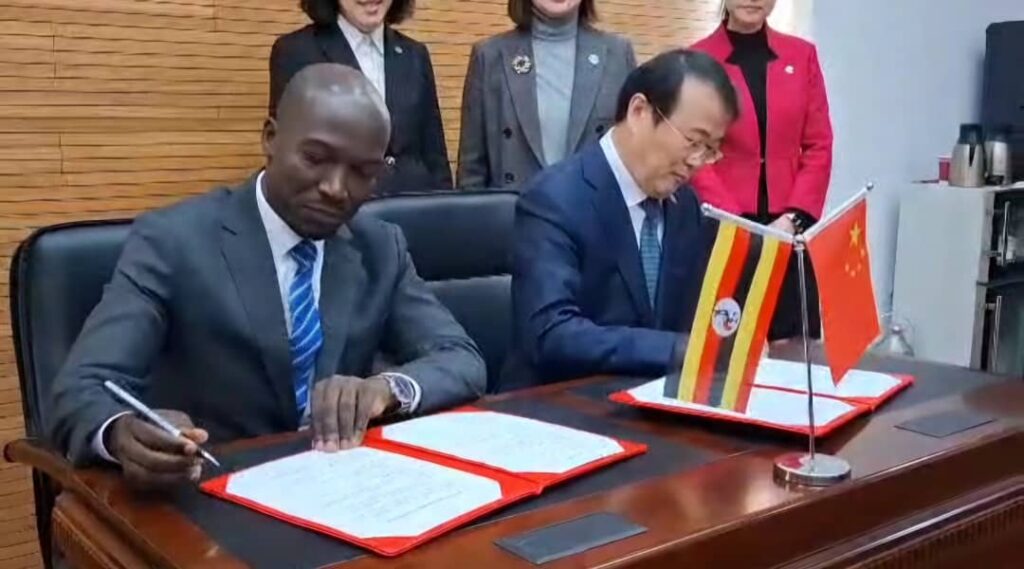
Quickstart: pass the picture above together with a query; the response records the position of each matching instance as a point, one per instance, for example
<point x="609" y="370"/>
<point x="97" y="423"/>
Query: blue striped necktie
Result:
<point x="306" y="335"/>
<point x="650" y="245"/>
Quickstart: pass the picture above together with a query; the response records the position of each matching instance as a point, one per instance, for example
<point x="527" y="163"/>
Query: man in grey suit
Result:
<point x="538" y="93"/>
<point x="261" y="308"/>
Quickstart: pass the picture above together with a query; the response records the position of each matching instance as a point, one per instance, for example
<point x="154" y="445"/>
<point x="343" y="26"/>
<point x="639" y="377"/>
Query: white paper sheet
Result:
<point x="515" y="444"/>
<point x="365" y="492"/>
<point x="768" y="405"/>
<point x="793" y="375"/>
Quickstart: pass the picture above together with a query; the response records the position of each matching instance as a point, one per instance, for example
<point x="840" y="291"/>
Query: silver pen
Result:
<point x="148" y="413"/>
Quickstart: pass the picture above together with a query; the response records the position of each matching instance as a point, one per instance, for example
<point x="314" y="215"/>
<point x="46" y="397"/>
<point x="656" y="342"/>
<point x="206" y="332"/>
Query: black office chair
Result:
<point x="461" y="243"/>
<point x="52" y="292"/>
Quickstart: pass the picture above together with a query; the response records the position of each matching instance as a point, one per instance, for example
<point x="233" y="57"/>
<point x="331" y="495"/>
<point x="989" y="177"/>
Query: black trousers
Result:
<point x="786" y="323"/>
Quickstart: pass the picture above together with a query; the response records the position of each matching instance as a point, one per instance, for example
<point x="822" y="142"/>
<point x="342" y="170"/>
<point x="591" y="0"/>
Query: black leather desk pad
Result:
<point x="944" y="424"/>
<point x="262" y="541"/>
<point x="563" y="539"/>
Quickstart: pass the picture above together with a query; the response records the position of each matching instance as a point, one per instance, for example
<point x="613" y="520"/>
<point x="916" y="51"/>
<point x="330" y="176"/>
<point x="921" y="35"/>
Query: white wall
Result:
<point x="792" y="17"/>
<point x="902" y="75"/>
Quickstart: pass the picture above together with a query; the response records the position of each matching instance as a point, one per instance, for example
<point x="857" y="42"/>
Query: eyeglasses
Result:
<point x="702" y="151"/>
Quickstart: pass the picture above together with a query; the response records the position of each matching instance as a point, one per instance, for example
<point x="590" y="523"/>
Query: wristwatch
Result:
<point x="798" y="221"/>
<point x="403" y="390"/>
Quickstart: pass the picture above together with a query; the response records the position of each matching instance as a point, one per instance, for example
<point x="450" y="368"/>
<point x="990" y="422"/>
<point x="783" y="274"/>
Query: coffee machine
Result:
<point x="1002" y="109"/>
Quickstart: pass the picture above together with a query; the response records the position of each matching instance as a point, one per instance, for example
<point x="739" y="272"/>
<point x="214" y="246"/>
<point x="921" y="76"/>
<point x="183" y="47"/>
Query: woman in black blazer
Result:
<point x="360" y="35"/>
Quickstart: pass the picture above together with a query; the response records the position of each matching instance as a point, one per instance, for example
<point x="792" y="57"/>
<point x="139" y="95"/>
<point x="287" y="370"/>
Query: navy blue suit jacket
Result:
<point x="579" y="300"/>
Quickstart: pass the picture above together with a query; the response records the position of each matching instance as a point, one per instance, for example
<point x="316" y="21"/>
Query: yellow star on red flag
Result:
<point x="842" y="267"/>
<point x="855" y="265"/>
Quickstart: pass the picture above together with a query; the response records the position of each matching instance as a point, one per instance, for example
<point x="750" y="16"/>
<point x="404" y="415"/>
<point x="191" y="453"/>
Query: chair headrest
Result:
<point x="453" y="235"/>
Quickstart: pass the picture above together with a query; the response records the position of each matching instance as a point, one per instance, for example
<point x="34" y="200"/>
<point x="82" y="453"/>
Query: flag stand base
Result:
<point x="809" y="468"/>
<point x="799" y="468"/>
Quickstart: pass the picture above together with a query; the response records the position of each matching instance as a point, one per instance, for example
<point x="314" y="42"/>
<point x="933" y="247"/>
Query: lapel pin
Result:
<point x="398" y="49"/>
<point x="522" y="64"/>
<point x="593" y="59"/>
<point x="789" y="69"/>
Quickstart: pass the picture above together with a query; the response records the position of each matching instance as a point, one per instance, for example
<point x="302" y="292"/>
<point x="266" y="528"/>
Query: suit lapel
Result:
<point x="397" y="68"/>
<point x="679" y="245"/>
<point x="614" y="216"/>
<point x="590" y="65"/>
<point x="335" y="47"/>
<point x="746" y="124"/>
<point x="398" y="72"/>
<point x="778" y="92"/>
<point x="782" y="75"/>
<point x="247" y="252"/>
<point x="522" y="87"/>
<point x="342" y="281"/>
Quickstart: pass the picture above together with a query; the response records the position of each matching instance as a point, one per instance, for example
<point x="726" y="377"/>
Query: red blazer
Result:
<point x="799" y="139"/>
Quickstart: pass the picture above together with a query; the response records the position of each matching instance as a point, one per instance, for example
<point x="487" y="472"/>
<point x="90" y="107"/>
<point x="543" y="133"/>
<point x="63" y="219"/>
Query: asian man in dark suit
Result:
<point x="611" y="246"/>
<point x="264" y="307"/>
<point x="360" y="34"/>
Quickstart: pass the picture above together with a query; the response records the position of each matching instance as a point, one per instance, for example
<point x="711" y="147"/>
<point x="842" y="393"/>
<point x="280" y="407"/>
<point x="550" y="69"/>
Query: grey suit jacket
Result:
<point x="501" y="138"/>
<point x="192" y="320"/>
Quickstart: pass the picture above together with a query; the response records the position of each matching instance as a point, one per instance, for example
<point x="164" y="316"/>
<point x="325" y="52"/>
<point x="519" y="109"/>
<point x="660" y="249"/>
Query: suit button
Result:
<point x="507" y="132"/>
<point x="389" y="161"/>
<point x="599" y="129"/>
<point x="509" y="177"/>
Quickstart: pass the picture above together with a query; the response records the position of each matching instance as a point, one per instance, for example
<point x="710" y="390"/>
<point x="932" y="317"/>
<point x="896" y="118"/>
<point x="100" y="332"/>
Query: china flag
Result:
<point x="849" y="315"/>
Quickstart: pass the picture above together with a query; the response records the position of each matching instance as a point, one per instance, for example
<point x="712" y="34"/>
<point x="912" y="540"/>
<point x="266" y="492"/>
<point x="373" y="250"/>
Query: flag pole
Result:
<point x="839" y="211"/>
<point x="811" y="468"/>
<point x="752" y="226"/>
<point x="801" y="251"/>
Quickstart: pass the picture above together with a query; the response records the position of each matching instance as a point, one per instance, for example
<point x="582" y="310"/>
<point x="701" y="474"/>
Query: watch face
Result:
<point x="401" y="388"/>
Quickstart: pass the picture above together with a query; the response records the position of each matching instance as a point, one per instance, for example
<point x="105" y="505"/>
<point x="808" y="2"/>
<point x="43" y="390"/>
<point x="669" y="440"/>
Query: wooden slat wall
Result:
<point x="109" y="107"/>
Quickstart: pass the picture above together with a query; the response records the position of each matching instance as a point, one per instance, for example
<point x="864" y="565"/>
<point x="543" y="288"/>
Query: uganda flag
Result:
<point x="730" y="326"/>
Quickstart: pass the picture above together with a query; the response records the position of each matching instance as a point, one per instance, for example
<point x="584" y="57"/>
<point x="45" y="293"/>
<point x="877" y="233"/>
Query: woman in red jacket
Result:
<point x="778" y="155"/>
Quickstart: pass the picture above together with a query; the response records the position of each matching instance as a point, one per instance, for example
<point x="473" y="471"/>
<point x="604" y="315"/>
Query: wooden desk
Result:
<point x="914" y="501"/>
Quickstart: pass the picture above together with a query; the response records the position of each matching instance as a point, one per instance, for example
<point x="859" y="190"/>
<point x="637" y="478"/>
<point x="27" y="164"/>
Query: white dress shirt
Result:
<point x="631" y="192"/>
<point x="369" y="51"/>
<point x="282" y="239"/>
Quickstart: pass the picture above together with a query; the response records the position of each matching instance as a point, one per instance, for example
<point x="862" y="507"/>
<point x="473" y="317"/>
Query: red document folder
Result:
<point x="542" y="479"/>
<point x="514" y="486"/>
<point x="863" y="387"/>
<point x="782" y="405"/>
